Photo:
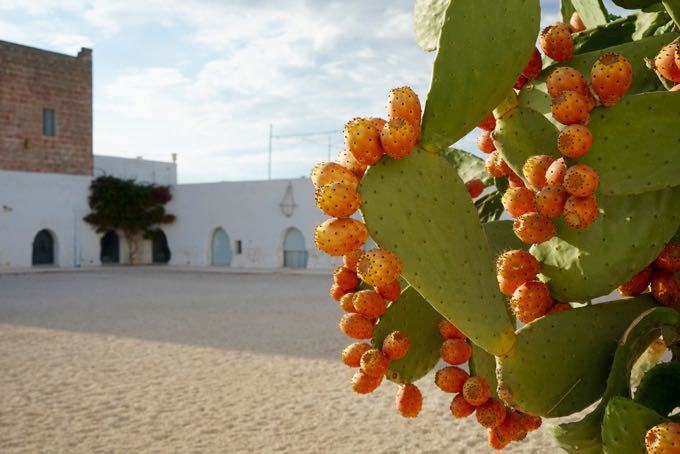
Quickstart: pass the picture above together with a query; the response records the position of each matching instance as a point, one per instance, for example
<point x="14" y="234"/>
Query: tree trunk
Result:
<point x="133" y="246"/>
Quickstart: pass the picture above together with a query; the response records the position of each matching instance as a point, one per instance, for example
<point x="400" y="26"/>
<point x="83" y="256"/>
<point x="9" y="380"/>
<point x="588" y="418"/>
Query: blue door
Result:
<point x="294" y="251"/>
<point x="220" y="248"/>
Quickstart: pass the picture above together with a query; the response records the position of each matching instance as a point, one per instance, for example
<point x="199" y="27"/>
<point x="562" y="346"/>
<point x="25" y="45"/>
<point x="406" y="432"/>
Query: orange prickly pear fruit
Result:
<point x="337" y="237"/>
<point x="379" y="267"/>
<point x="518" y="201"/>
<point x="533" y="68"/>
<point x="450" y="379"/>
<point x="390" y="291"/>
<point x="558" y="307"/>
<point x="512" y="428"/>
<point x="350" y="259"/>
<point x="669" y="259"/>
<point x="571" y="107"/>
<point x="377" y="122"/>
<point x="556" y="171"/>
<point x="369" y="304"/>
<point x="530" y="422"/>
<point x="345" y="279"/>
<point x="398" y="137"/>
<point x="517" y="265"/>
<point x="374" y="363"/>
<point x="346" y="159"/>
<point x="508" y="286"/>
<point x="521" y="82"/>
<point x="581" y="180"/>
<point x="665" y="62"/>
<point x="533" y="228"/>
<point x="493" y="441"/>
<point x="515" y="181"/>
<point x="611" y="77"/>
<point x="364" y="384"/>
<point x="575" y="141"/>
<point x="356" y="326"/>
<point x="476" y="391"/>
<point x="566" y="78"/>
<point x="576" y="24"/>
<point x="403" y="103"/>
<point x="637" y="284"/>
<point x="580" y="212"/>
<point x="409" y="401"/>
<point x="491" y="413"/>
<point x="395" y="346"/>
<point x="346" y="303"/>
<point x="496" y="166"/>
<point x="489" y="123"/>
<point x="331" y="172"/>
<point x="484" y="142"/>
<point x="362" y="139"/>
<point x="460" y="408"/>
<point x="551" y="199"/>
<point x="455" y="351"/>
<point x="535" y="168"/>
<point x="336" y="292"/>
<point x="663" y="439"/>
<point x="557" y="43"/>
<point x="448" y="331"/>
<point x="351" y="355"/>
<point x="666" y="288"/>
<point x="338" y="200"/>
<point x="475" y="187"/>
<point x="530" y="301"/>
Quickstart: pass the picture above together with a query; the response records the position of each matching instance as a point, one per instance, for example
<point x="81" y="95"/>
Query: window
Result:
<point x="49" y="124"/>
<point x="239" y="247"/>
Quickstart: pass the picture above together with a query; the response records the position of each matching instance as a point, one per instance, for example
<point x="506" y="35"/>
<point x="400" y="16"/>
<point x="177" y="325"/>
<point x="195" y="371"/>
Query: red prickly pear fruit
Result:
<point x="346" y="303"/>
<point x="351" y="355"/>
<point x="379" y="267"/>
<point x="580" y="212"/>
<point x="521" y="82"/>
<point x="363" y="384"/>
<point x="336" y="292"/>
<point x="369" y="304"/>
<point x="663" y="438"/>
<point x="403" y="103"/>
<point x="345" y="279"/>
<point x="515" y="181"/>
<point x="491" y="413"/>
<point x="374" y="363"/>
<point x="571" y="107"/>
<point x="450" y="379"/>
<point x="390" y="291"/>
<point x="356" y="326"/>
<point x="575" y="141"/>
<point x="512" y="428"/>
<point x="611" y="77"/>
<point x="530" y="301"/>
<point x="398" y="137"/>
<point x="409" y="401"/>
<point x="556" y="171"/>
<point x="533" y="68"/>
<point x="493" y="441"/>
<point x="581" y="180"/>
<point x="518" y="201"/>
<point x="395" y="345"/>
<point x="665" y="62"/>
<point x="576" y="24"/>
<point x="508" y="286"/>
<point x="551" y="199"/>
<point x="637" y="284"/>
<point x="448" y="331"/>
<point x="531" y="422"/>
<point x="517" y="265"/>
<point x="476" y="391"/>
<point x="475" y="187"/>
<point x="566" y="78"/>
<point x="331" y="172"/>
<point x="337" y="237"/>
<point x="346" y="159"/>
<point x="350" y="259"/>
<point x="534" y="228"/>
<point x="559" y="307"/>
<point x="484" y="142"/>
<point x="666" y="288"/>
<point x="362" y="139"/>
<point x="455" y="351"/>
<point x="489" y="123"/>
<point x="557" y="43"/>
<point x="535" y="168"/>
<point x="460" y="408"/>
<point x="338" y="200"/>
<point x="496" y="166"/>
<point x="669" y="259"/>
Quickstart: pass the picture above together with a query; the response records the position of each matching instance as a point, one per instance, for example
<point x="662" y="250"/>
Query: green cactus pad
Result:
<point x="592" y="12"/>
<point x="561" y="361"/>
<point x="673" y="8"/>
<point x="659" y="388"/>
<point x="625" y="425"/>
<point x="489" y="206"/>
<point x="468" y="165"/>
<point x="482" y="364"/>
<point x="428" y="18"/>
<point x="628" y="234"/>
<point x="483" y="47"/>
<point x="566" y="10"/>
<point x="413" y="316"/>
<point x="634" y="4"/>
<point x="419" y="208"/>
<point x="502" y="238"/>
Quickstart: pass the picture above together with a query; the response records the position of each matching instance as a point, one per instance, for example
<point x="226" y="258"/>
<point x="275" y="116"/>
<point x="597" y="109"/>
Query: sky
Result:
<point x="205" y="79"/>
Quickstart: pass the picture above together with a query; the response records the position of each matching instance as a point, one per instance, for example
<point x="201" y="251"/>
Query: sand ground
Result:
<point x="162" y="360"/>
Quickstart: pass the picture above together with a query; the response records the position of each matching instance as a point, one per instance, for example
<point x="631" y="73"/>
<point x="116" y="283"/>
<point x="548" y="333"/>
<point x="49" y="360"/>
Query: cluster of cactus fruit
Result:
<point x="583" y="150"/>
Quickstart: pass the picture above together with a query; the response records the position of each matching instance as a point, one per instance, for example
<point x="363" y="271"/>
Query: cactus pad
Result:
<point x="482" y="364"/>
<point x="502" y="238"/>
<point x="625" y="425"/>
<point x="659" y="388"/>
<point x="468" y="165"/>
<point x="592" y="12"/>
<point x="428" y="18"/>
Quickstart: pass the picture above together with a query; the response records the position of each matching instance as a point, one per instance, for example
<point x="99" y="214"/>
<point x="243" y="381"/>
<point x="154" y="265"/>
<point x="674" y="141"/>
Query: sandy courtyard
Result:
<point x="162" y="360"/>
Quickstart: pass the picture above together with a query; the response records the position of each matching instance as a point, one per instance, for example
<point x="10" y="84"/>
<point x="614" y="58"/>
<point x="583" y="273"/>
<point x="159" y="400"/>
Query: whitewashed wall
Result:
<point x="142" y="170"/>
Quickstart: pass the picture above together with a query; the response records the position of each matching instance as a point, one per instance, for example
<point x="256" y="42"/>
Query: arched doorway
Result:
<point x="294" y="251"/>
<point x="220" y="248"/>
<point x="160" y="249"/>
<point x="109" y="248"/>
<point x="43" y="248"/>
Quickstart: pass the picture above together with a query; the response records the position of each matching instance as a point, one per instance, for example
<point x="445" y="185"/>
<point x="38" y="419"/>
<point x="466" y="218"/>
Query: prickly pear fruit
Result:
<point x="345" y="279"/>
<point x="557" y="43"/>
<point x="331" y="172"/>
<point x="533" y="68"/>
<point x="611" y="77"/>
<point x="535" y="168"/>
<point x="460" y="408"/>
<point x="669" y="259"/>
<point x="495" y="165"/>
<point x="450" y="379"/>
<point x="374" y="363"/>
<point x="409" y="401"/>
<point x="356" y="326"/>
<point x="475" y="187"/>
<point x="395" y="345"/>
<point x="576" y="24"/>
<point x="455" y="351"/>
<point x="556" y="171"/>
<point x="390" y="291"/>
<point x="350" y="259"/>
<point x="551" y="199"/>
<point x="364" y="384"/>
<point x="338" y="200"/>
<point x="484" y="142"/>
<point x="666" y="288"/>
<point x="518" y="201"/>
<point x="531" y="422"/>
<point x="581" y="180"/>
<point x="339" y="236"/>
<point x="512" y="428"/>
<point x="362" y="139"/>
<point x="566" y="78"/>
<point x="491" y="413"/>
<point x="351" y="355"/>
<point x="665" y="62"/>
<point x="530" y="301"/>
<point x="575" y="141"/>
<point x="663" y="439"/>
<point x="346" y="159"/>
<point x="508" y="286"/>
<point x="493" y="441"/>
<point x="336" y="292"/>
<point x="517" y="265"/>
<point x="533" y="228"/>
<point x="571" y="107"/>
<point x="476" y="391"/>
<point x="559" y="307"/>
<point x="403" y="103"/>
<point x="448" y="331"/>
<point x="520" y="82"/>
<point x="398" y="137"/>
<point x="489" y="123"/>
<point x="637" y="284"/>
<point x="346" y="303"/>
<point x="378" y="267"/>
<point x="580" y="212"/>
<point x="515" y="181"/>
<point x="369" y="304"/>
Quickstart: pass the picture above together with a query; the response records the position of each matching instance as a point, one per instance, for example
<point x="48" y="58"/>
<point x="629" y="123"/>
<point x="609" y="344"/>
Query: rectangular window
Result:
<point x="238" y="247"/>
<point x="49" y="123"/>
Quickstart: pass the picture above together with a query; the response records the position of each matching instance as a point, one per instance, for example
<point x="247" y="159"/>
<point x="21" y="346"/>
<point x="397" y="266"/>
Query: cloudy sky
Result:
<point x="205" y="78"/>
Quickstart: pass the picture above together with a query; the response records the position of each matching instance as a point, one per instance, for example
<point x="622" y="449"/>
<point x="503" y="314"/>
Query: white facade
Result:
<point x="142" y="170"/>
